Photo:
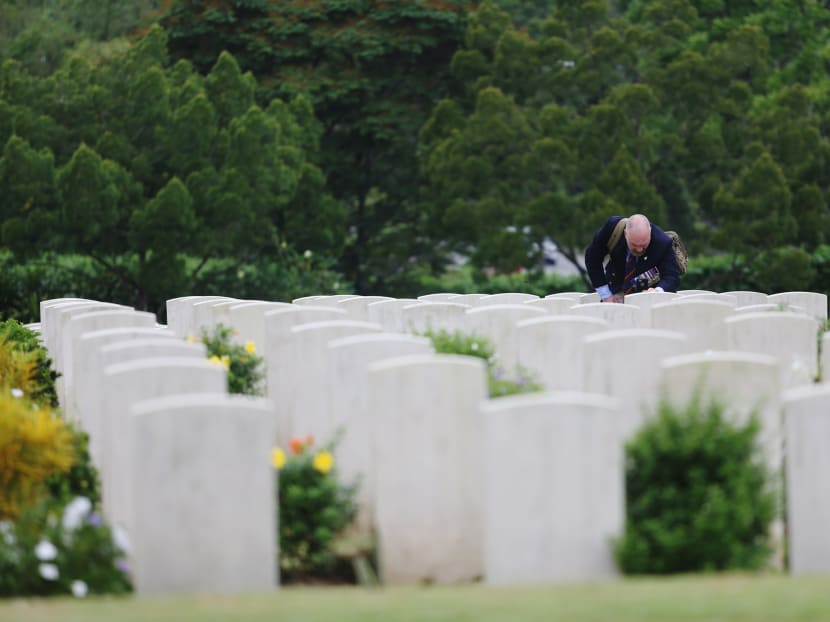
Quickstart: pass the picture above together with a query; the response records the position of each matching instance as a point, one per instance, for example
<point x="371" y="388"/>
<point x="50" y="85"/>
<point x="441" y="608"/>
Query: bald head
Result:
<point x="637" y="234"/>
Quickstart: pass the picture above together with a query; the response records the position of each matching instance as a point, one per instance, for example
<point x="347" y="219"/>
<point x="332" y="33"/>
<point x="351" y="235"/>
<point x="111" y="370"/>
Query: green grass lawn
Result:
<point x="710" y="598"/>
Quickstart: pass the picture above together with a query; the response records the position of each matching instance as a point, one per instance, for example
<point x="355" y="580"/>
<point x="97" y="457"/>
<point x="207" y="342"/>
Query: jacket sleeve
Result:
<point x="597" y="250"/>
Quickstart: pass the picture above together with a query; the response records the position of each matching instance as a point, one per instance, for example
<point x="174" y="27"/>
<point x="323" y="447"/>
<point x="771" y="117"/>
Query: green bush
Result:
<point x="58" y="548"/>
<point x="22" y="339"/>
<point x="499" y="383"/>
<point x="245" y="368"/>
<point x="314" y="509"/>
<point x="697" y="494"/>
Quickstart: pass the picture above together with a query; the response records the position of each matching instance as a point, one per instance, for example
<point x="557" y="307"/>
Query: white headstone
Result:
<point x="422" y="317"/>
<point x="92" y="400"/>
<point x="572" y="295"/>
<point x="428" y="459"/>
<point x="180" y="313"/>
<point x="554" y="488"/>
<point x="437" y="297"/>
<point x="357" y="307"/>
<point x="280" y="372"/>
<point x="770" y="307"/>
<point x="323" y="301"/>
<point x="727" y="298"/>
<point x="789" y="337"/>
<point x="701" y="320"/>
<point x="126" y="384"/>
<point x="499" y="324"/>
<point x="207" y="314"/>
<point x="248" y="321"/>
<point x="551" y="348"/>
<point x="625" y="364"/>
<point x="744" y="383"/>
<point x="506" y="298"/>
<point x="618" y="316"/>
<point x="306" y="349"/>
<point x="747" y="297"/>
<point x="81" y="324"/>
<point x="387" y="313"/>
<point x="205" y="516"/>
<point x="814" y="302"/>
<point x="646" y="300"/>
<point x="348" y="404"/>
<point x="808" y="463"/>
<point x="471" y="300"/>
<point x="690" y="292"/>
<point x="553" y="306"/>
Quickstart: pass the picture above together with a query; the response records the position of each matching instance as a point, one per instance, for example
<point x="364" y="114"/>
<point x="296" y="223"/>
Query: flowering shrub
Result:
<point x="61" y="549"/>
<point x="499" y="383"/>
<point x="51" y="539"/>
<point x="313" y="509"/>
<point x="245" y="369"/>
<point x="34" y="445"/>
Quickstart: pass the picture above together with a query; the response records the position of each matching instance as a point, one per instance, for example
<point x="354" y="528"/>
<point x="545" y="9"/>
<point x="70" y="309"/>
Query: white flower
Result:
<point x="48" y="571"/>
<point x="79" y="589"/>
<point x="7" y="531"/>
<point x="75" y="513"/>
<point x="17" y="392"/>
<point x="307" y="254"/>
<point x="119" y="537"/>
<point x="46" y="551"/>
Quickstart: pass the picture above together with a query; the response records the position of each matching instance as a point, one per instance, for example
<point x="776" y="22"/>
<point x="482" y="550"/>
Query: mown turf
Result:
<point x="713" y="598"/>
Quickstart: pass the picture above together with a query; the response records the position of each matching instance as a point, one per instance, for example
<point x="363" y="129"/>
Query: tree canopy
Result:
<point x="391" y="137"/>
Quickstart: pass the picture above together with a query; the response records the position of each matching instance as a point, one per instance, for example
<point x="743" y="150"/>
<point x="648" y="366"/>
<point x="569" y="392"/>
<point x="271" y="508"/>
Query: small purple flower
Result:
<point x="122" y="565"/>
<point x="94" y="519"/>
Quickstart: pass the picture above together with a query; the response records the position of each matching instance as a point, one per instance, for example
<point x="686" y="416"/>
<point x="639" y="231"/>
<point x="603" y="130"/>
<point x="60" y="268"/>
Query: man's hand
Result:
<point x="613" y="298"/>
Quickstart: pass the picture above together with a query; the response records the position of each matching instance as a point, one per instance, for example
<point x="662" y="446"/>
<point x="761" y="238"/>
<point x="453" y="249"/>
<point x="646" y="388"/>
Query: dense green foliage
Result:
<point x="140" y="164"/>
<point x="698" y="496"/>
<point x="709" y="121"/>
<point x="175" y="144"/>
<point x="372" y="71"/>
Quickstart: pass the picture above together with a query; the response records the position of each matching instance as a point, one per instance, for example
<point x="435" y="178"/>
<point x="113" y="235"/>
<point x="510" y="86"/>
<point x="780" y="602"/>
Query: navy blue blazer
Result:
<point x="658" y="254"/>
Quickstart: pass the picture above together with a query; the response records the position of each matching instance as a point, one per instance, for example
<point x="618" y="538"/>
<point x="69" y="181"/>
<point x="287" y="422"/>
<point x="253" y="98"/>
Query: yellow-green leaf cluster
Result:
<point x="34" y="444"/>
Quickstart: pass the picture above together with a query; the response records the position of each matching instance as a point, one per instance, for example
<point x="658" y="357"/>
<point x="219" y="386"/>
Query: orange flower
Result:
<point x="309" y="440"/>
<point x="296" y="445"/>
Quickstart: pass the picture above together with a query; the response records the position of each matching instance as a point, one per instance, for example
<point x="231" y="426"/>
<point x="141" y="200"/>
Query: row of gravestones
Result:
<point x="418" y="426"/>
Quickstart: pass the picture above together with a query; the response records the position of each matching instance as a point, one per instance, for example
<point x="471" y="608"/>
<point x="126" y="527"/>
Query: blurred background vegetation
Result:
<point x="272" y="149"/>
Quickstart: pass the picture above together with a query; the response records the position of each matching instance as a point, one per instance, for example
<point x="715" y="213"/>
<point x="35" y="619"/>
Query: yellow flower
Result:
<point x="277" y="458"/>
<point x="250" y="348"/>
<point x="191" y="338"/>
<point x="226" y="361"/>
<point x="323" y="462"/>
<point x="215" y="360"/>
